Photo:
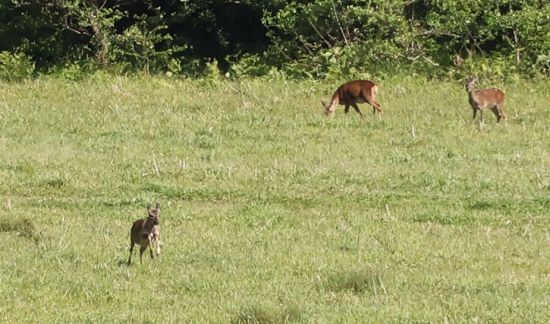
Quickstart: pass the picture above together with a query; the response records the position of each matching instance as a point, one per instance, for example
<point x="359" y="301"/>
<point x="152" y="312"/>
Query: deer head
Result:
<point x="470" y="83"/>
<point x="154" y="213"/>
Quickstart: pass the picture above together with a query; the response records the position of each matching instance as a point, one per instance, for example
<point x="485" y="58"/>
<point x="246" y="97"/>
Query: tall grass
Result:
<point x="272" y="212"/>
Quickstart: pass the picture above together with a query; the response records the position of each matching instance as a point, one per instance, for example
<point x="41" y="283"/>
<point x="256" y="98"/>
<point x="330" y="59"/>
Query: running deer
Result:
<point x="352" y="93"/>
<point x="480" y="100"/>
<point x="146" y="233"/>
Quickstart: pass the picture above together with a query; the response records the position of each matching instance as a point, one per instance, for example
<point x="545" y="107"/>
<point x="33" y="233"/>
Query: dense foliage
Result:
<point x="322" y="38"/>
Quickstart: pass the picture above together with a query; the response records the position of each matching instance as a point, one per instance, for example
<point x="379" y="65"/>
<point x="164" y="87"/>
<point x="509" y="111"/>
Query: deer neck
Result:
<point x="148" y="225"/>
<point x="471" y="94"/>
<point x="334" y="103"/>
<point x="331" y="107"/>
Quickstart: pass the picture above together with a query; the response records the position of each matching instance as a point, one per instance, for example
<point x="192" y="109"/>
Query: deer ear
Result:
<point x="148" y="206"/>
<point x="157" y="206"/>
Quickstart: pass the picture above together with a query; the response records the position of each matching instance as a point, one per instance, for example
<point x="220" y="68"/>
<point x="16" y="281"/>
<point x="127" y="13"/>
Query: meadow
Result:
<point x="271" y="212"/>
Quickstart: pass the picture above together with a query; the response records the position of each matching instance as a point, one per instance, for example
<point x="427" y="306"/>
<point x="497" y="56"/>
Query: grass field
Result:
<point x="270" y="211"/>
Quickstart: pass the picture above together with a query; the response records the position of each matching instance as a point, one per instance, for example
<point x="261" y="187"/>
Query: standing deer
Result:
<point x="352" y="93"/>
<point x="146" y="233"/>
<point x="485" y="99"/>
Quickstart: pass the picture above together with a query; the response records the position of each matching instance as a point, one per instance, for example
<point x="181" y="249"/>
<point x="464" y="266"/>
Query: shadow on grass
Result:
<point x="220" y="195"/>
<point x="55" y="183"/>
<point x="484" y="205"/>
<point x="439" y="218"/>
<point x="199" y="194"/>
<point x="356" y="281"/>
<point x="267" y="315"/>
<point x="536" y="204"/>
<point x="23" y="227"/>
<point x="123" y="263"/>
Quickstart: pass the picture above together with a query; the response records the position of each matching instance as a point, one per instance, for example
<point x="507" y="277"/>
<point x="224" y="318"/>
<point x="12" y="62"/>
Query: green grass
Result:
<point x="271" y="212"/>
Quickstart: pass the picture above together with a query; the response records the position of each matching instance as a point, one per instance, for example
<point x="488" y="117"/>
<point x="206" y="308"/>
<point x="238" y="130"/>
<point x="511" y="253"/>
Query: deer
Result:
<point x="352" y="93"/>
<point x="482" y="99"/>
<point x="146" y="233"/>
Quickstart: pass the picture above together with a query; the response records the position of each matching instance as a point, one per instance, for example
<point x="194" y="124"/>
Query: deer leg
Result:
<point x="357" y="109"/>
<point x="375" y="106"/>
<point x="155" y="246"/>
<point x="141" y="250"/>
<point x="131" y="250"/>
<point x="501" y="113"/>
<point x="150" y="245"/>
<point x="346" y="109"/>
<point x="475" y="113"/>
<point x="496" y="111"/>
<point x="481" y="122"/>
<point x="157" y="242"/>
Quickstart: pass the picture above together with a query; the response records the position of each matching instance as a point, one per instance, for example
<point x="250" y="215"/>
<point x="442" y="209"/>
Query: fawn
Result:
<point x="352" y="93"/>
<point x="146" y="233"/>
<point x="485" y="99"/>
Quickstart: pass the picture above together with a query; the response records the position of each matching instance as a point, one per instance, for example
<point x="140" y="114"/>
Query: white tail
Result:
<point x="352" y="93"/>
<point x="146" y="233"/>
<point x="483" y="99"/>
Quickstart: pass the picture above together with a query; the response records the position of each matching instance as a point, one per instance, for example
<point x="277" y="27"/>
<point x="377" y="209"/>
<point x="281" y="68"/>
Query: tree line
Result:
<point x="294" y="38"/>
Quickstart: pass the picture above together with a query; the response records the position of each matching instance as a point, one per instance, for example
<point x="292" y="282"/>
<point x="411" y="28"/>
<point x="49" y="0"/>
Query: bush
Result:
<point x="15" y="66"/>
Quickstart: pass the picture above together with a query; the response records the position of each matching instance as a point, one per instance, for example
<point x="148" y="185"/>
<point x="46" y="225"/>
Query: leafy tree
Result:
<point x="301" y="38"/>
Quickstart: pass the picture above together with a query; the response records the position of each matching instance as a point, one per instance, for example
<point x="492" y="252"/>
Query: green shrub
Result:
<point x="15" y="66"/>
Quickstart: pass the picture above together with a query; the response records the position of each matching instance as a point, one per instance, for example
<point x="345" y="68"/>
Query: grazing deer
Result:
<point x="352" y="93"/>
<point x="485" y="99"/>
<point x="146" y="233"/>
